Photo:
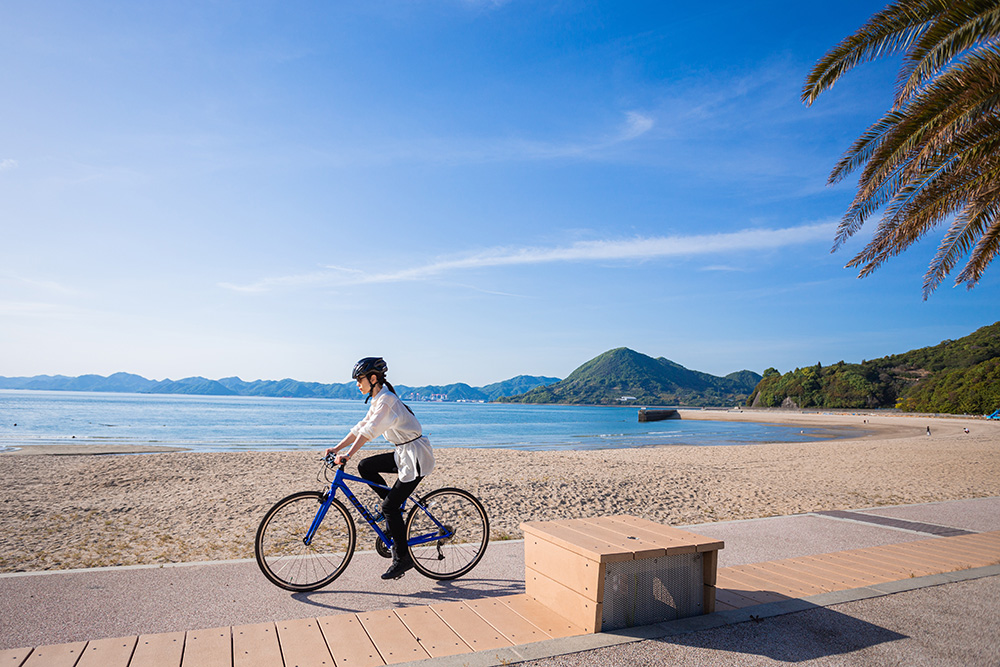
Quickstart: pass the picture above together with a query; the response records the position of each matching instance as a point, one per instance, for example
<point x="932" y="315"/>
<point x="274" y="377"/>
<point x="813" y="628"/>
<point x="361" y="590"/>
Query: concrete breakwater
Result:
<point x="647" y="415"/>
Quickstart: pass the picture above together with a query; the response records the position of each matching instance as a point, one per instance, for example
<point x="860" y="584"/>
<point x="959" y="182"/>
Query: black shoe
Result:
<point x="399" y="567"/>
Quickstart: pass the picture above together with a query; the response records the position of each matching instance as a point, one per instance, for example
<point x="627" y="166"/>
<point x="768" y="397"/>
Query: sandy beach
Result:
<point x="80" y="510"/>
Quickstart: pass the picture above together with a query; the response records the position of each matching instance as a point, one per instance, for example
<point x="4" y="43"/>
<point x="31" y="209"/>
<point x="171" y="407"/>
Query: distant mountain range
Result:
<point x="624" y="375"/>
<point x="960" y="376"/>
<point x="234" y="386"/>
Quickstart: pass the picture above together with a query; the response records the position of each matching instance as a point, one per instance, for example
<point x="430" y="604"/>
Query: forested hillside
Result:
<point x="626" y="374"/>
<point x="956" y="376"/>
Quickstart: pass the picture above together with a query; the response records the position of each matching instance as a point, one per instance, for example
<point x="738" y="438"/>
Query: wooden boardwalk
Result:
<point x="414" y="633"/>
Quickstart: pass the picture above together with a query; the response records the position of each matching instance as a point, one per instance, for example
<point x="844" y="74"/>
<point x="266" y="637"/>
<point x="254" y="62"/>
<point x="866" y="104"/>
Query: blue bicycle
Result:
<point x="307" y="539"/>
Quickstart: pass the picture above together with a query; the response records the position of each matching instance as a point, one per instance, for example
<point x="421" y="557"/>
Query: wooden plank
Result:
<point x="988" y="540"/>
<point x="991" y="536"/>
<point x="159" y="650"/>
<point x="115" y="652"/>
<point x="950" y="553"/>
<point x="754" y="588"/>
<point x="878" y="556"/>
<point x="933" y="564"/>
<point x="710" y="567"/>
<point x="874" y="562"/>
<point x="468" y="625"/>
<point x="843" y="577"/>
<point x="56" y="655"/>
<point x="854" y="563"/>
<point x="641" y="533"/>
<point x="700" y="542"/>
<point x="302" y="644"/>
<point x="734" y="599"/>
<point x="394" y="642"/>
<point x="668" y="539"/>
<point x="627" y="543"/>
<point x="988" y="553"/>
<point x="779" y="581"/>
<point x="577" y="573"/>
<point x="802" y="575"/>
<point x="572" y="540"/>
<point x="507" y="621"/>
<point x="755" y="595"/>
<point x="938" y="551"/>
<point x="432" y="633"/>
<point x="566" y="602"/>
<point x="856" y="578"/>
<point x="14" y="657"/>
<point x="813" y="575"/>
<point x="349" y="642"/>
<point x="722" y="606"/>
<point x="852" y="567"/>
<point x="208" y="648"/>
<point x="256" y="645"/>
<point x="708" y="599"/>
<point x="541" y="616"/>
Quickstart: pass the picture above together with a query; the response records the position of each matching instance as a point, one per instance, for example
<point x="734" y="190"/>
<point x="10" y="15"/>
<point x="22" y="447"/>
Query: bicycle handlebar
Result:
<point x="330" y="461"/>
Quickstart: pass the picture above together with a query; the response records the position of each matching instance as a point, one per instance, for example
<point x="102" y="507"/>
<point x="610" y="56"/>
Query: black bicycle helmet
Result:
<point x="370" y="365"/>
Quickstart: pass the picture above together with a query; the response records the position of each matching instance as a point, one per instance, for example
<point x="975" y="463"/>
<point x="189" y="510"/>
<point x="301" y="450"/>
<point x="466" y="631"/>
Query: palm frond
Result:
<point x="934" y="157"/>
<point x="988" y="246"/>
<point x="961" y="27"/>
<point x="888" y="31"/>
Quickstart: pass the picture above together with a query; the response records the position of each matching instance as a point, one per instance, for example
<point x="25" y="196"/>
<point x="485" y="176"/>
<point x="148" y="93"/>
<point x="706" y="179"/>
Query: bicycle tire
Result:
<point x="282" y="554"/>
<point x="451" y="557"/>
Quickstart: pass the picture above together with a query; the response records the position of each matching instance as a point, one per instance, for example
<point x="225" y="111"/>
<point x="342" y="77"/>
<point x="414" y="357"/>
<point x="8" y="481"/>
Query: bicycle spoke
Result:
<point x="280" y="547"/>
<point x="461" y="542"/>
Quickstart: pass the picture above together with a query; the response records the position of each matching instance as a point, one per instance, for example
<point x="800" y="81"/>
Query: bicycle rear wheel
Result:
<point x="462" y="532"/>
<point x="284" y="557"/>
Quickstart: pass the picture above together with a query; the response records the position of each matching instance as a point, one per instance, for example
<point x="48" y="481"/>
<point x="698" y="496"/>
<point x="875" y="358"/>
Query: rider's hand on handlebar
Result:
<point x="335" y="457"/>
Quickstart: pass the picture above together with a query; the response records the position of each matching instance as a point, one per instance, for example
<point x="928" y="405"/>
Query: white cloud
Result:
<point x="635" y="249"/>
<point x="636" y="125"/>
<point x="7" y="163"/>
<point x="42" y="285"/>
<point x="472" y="150"/>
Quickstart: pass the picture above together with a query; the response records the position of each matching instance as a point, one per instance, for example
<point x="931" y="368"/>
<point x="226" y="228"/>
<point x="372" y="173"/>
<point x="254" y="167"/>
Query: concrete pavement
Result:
<point x="56" y="607"/>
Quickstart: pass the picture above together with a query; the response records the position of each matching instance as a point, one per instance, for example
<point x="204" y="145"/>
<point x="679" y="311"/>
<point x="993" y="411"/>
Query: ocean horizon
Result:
<point x="240" y="423"/>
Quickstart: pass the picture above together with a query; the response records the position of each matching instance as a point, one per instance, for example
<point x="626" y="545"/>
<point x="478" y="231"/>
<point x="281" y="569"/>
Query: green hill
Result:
<point x="607" y="378"/>
<point x="956" y="376"/>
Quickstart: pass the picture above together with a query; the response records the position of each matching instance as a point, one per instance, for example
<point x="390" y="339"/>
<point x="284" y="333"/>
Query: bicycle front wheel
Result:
<point x="281" y="550"/>
<point x="450" y="537"/>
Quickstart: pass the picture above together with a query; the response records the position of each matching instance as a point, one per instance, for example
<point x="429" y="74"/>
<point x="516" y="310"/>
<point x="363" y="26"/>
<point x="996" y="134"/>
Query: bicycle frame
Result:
<point x="444" y="532"/>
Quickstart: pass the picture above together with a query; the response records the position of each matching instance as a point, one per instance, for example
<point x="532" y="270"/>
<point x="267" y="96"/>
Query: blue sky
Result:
<point x="473" y="190"/>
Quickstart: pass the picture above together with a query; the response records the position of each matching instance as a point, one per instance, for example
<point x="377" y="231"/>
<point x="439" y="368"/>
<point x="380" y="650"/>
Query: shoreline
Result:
<point x="840" y="426"/>
<point x="67" y="512"/>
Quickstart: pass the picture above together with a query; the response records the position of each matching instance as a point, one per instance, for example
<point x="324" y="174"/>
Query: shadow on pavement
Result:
<point x="442" y="591"/>
<point x="814" y="633"/>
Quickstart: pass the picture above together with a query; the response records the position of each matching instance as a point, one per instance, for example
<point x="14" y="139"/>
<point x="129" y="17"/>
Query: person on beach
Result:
<point x="411" y="460"/>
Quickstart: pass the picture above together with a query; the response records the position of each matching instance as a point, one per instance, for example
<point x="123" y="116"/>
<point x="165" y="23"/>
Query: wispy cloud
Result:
<point x="474" y="150"/>
<point x="7" y="163"/>
<point x="634" y="249"/>
<point x="50" y="286"/>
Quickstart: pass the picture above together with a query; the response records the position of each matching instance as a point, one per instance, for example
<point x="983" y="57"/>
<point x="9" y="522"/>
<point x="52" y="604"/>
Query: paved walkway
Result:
<point x="51" y="608"/>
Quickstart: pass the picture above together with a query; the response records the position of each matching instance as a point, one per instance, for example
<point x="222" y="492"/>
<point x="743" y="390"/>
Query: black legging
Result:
<point x="392" y="500"/>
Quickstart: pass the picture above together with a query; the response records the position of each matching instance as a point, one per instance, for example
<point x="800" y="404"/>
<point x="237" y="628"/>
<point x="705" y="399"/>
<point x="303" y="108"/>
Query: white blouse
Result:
<point x="389" y="417"/>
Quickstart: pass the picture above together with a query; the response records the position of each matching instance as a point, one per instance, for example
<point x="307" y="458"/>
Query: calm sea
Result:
<point x="224" y="423"/>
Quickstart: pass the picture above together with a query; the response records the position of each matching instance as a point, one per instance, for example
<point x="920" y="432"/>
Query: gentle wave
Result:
<point x="211" y="423"/>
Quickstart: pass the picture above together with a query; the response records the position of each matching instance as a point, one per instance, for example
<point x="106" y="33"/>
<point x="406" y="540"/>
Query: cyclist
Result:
<point x="412" y="458"/>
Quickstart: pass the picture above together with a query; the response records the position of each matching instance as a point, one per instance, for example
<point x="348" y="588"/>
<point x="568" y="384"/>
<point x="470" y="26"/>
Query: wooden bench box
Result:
<point x="609" y="573"/>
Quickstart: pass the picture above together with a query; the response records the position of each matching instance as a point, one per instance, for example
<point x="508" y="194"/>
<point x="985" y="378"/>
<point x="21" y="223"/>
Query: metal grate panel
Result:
<point x="652" y="590"/>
